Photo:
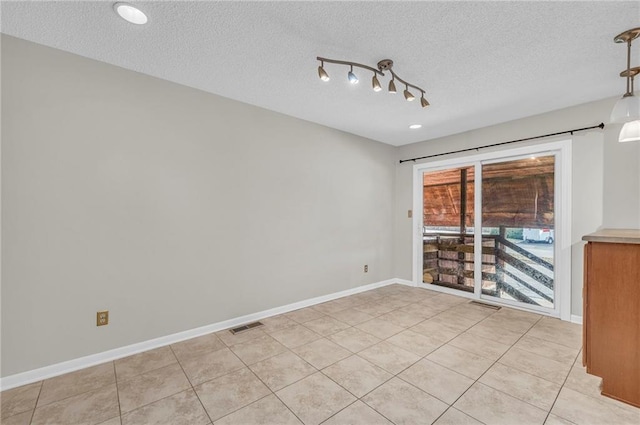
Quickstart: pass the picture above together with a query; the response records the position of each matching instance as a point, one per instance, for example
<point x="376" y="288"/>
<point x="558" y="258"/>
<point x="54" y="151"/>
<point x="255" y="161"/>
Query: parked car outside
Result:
<point x="538" y="235"/>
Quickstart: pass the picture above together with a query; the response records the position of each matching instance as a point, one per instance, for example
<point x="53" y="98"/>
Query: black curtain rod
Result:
<point x="600" y="126"/>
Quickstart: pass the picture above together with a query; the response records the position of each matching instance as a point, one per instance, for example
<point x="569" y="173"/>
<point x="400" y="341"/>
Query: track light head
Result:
<point x="323" y="74"/>
<point x="375" y="83"/>
<point x="352" y="77"/>
<point x="407" y="95"/>
<point x="392" y="87"/>
<point x="424" y="101"/>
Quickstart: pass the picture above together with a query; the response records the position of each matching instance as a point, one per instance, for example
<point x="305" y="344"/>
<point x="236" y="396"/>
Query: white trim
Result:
<point x="576" y="319"/>
<point x="562" y="151"/>
<point x="450" y="291"/>
<point x="404" y="282"/>
<point x="418" y="216"/>
<point x="487" y="300"/>
<point x="563" y="245"/>
<point x="46" y="372"/>
<point x="477" y="230"/>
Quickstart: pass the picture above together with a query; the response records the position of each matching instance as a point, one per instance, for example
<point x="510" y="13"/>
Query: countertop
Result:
<point x="614" y="236"/>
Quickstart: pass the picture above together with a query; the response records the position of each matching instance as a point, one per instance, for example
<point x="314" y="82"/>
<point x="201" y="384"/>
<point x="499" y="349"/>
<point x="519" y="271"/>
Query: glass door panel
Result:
<point x="518" y="230"/>
<point x="447" y="232"/>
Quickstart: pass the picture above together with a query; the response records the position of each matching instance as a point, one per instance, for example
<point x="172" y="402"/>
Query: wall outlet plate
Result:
<point x="366" y="268"/>
<point x="102" y="318"/>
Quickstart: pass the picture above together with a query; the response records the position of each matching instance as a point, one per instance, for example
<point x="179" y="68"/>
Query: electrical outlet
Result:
<point x="366" y="268"/>
<point x="410" y="213"/>
<point x="102" y="318"/>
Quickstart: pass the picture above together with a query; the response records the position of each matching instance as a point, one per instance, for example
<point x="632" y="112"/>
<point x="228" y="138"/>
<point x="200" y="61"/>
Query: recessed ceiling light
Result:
<point x="130" y="13"/>
<point x="415" y="126"/>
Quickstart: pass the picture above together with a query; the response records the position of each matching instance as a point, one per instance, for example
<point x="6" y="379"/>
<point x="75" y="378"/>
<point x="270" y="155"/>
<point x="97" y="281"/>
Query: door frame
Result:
<point x="562" y="213"/>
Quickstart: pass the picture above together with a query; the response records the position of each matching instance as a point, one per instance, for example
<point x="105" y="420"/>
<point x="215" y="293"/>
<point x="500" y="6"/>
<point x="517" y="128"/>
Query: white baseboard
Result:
<point x="405" y="282"/>
<point x="576" y="319"/>
<point x="57" y="369"/>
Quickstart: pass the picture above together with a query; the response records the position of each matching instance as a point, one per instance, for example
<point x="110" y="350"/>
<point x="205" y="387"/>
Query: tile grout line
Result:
<point x="397" y="374"/>
<point x="37" y="399"/>
<point x="465" y="391"/>
<point x="449" y="406"/>
<point x="326" y="337"/>
<point x="345" y="389"/>
<point x="334" y="414"/>
<point x="264" y="383"/>
<point x="190" y="383"/>
<point x="228" y="373"/>
<point x="357" y="398"/>
<point x="460" y="333"/>
<point x="562" y="387"/>
<point x="458" y="410"/>
<point x="288" y="385"/>
<point x="384" y="382"/>
<point x="274" y="392"/>
<point x="69" y="396"/>
<point x="160" y="399"/>
<point x="493" y="364"/>
<point x="115" y="377"/>
<point x="317" y="370"/>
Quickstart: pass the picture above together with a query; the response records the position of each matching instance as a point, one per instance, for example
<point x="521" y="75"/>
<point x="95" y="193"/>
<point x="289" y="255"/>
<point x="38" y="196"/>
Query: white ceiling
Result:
<point x="481" y="63"/>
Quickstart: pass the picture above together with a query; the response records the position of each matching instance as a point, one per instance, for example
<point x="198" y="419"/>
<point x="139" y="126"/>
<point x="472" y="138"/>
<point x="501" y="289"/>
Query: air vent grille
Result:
<point x="245" y="327"/>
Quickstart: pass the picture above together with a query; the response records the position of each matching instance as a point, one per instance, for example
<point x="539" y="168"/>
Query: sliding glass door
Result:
<point x="518" y="227"/>
<point x="488" y="227"/>
<point x="448" y="237"/>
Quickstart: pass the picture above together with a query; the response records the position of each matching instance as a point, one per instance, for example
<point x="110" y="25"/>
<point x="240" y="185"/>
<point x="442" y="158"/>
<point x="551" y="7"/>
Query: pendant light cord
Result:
<point x="575" y="130"/>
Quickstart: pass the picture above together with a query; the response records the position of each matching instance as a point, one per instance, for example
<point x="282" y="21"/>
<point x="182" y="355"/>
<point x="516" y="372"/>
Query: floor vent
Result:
<point x="245" y="327"/>
<point x="478" y="303"/>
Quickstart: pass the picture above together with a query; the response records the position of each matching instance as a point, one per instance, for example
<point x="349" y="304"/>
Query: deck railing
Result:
<point x="507" y="268"/>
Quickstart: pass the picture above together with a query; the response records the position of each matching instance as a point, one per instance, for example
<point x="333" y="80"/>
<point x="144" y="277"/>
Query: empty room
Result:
<point x="320" y="212"/>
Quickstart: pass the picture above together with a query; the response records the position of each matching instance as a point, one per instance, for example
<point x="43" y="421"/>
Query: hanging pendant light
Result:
<point x="630" y="132"/>
<point x="628" y="108"/>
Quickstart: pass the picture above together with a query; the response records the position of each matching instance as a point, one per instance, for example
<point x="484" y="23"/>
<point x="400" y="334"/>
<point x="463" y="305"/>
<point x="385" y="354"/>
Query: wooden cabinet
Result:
<point x="612" y="312"/>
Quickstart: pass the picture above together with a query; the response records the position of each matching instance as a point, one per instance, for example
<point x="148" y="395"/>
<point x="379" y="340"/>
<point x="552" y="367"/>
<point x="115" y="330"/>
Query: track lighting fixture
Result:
<point x="627" y="110"/>
<point x="322" y="73"/>
<point x="383" y="65"/>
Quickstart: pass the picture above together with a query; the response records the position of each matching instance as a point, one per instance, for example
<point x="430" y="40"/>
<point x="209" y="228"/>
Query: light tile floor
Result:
<point x="393" y="355"/>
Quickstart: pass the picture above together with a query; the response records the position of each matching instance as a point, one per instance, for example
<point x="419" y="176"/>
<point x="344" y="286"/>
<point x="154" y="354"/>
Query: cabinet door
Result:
<point x="613" y="314"/>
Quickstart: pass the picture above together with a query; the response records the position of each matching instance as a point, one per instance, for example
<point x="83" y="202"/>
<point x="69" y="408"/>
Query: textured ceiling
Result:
<point x="481" y="63"/>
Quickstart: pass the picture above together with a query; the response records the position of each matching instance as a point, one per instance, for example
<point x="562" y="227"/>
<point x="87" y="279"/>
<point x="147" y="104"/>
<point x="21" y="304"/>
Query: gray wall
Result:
<point x="170" y="207"/>
<point x="175" y="208"/>
<point x="605" y="191"/>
